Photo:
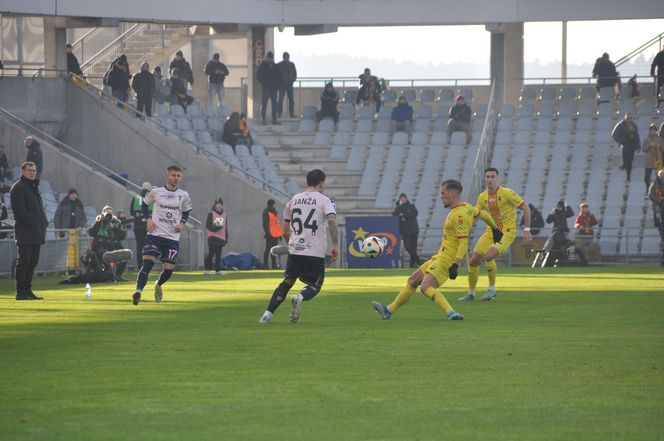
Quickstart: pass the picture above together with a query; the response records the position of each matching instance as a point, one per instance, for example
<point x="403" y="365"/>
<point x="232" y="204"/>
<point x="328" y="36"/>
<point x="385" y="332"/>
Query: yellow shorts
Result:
<point x="486" y="242"/>
<point x="438" y="266"/>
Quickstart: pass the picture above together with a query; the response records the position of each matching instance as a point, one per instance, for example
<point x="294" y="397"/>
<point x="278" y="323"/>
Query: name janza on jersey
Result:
<point x="305" y="201"/>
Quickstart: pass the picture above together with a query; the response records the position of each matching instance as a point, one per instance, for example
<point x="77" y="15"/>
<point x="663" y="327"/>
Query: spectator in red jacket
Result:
<point x="585" y="222"/>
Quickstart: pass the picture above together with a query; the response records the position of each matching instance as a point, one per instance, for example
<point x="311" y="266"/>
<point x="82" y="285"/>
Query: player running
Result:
<point x="501" y="203"/>
<point x="304" y="230"/>
<point x="169" y="214"/>
<point x="445" y="264"/>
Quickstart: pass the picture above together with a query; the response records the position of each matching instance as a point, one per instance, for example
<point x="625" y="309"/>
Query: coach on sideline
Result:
<point x="29" y="228"/>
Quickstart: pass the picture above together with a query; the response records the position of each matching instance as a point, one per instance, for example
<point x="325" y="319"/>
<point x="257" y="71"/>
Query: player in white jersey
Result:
<point x="304" y="229"/>
<point x="171" y="207"/>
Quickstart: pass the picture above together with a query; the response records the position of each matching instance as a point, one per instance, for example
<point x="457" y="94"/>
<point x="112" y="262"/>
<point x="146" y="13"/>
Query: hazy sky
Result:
<point x="428" y="45"/>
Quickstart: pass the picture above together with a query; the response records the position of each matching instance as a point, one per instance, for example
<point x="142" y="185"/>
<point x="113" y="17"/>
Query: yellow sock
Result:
<point x="439" y="299"/>
<point x="402" y="298"/>
<point x="491" y="270"/>
<point x="473" y="277"/>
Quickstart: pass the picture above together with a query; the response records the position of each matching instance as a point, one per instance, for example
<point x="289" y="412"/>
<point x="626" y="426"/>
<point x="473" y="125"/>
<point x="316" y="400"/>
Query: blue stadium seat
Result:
<point x="428" y="95"/>
<point x="309" y="112"/>
<point x="308" y="126"/>
<point x="326" y="125"/>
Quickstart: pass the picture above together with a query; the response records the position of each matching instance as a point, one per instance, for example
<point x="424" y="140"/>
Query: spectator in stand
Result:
<point x="402" y="116"/>
<point x="584" y="223"/>
<point x="216" y="72"/>
<point x="370" y="90"/>
<point x="658" y="62"/>
<point x="272" y="231"/>
<point x="162" y="86"/>
<point x="245" y="133"/>
<point x="70" y="213"/>
<point x="143" y="85"/>
<point x="287" y="76"/>
<point x="459" y="121"/>
<point x="5" y="170"/>
<point x="217" y="236"/>
<point x="118" y="79"/>
<point x="653" y="147"/>
<point x="183" y="67"/>
<point x="72" y="62"/>
<point x="329" y="99"/>
<point x="29" y="228"/>
<point x="558" y="217"/>
<point x="408" y="227"/>
<point x="656" y="195"/>
<point x="3" y="216"/>
<point x="34" y="154"/>
<point x="606" y="74"/>
<point x="268" y="76"/>
<point x="179" y="91"/>
<point x="106" y="233"/>
<point x="626" y="134"/>
<point x="140" y="223"/>
<point x="232" y="131"/>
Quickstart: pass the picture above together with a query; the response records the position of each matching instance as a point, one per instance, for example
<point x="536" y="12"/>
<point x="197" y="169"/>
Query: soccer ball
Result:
<point x="219" y="222"/>
<point x="372" y="247"/>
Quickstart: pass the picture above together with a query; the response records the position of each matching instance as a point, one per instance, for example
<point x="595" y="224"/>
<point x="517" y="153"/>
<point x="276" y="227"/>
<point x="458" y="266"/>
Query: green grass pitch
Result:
<point x="567" y="354"/>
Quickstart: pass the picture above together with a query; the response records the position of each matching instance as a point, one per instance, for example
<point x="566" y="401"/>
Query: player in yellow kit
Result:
<point x="501" y="203"/>
<point x="445" y="264"/>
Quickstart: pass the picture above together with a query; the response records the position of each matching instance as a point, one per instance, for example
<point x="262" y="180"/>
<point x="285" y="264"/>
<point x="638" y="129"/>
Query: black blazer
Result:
<point x="30" y="219"/>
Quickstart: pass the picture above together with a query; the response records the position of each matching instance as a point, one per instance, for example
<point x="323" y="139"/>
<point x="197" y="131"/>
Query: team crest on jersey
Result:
<point x="460" y="220"/>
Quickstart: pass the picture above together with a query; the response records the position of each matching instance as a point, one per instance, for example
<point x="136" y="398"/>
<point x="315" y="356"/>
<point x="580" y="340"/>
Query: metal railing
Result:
<point x="656" y="40"/>
<point x="112" y="49"/>
<point x="55" y="256"/>
<point x="91" y="90"/>
<point x="485" y="150"/>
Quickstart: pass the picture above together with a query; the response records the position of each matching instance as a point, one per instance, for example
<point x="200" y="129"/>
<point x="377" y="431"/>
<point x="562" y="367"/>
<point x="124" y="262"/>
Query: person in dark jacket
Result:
<point x="5" y="169"/>
<point x="183" y="67"/>
<point x="287" y="76"/>
<point x="402" y="116"/>
<point x="370" y="90"/>
<point x="143" y="85"/>
<point x="106" y="233"/>
<point x="656" y="195"/>
<point x="272" y="232"/>
<point x="179" y="91"/>
<point x="140" y="223"/>
<point x="408" y="227"/>
<point x="72" y="62"/>
<point x="459" y="120"/>
<point x="232" y="131"/>
<point x="626" y="134"/>
<point x="70" y="212"/>
<point x="217" y="73"/>
<point x="268" y="76"/>
<point x="34" y="154"/>
<point x="217" y="236"/>
<point x="558" y="217"/>
<point x="658" y="62"/>
<point x="605" y="72"/>
<point x="118" y="80"/>
<point x="29" y="228"/>
<point x="329" y="99"/>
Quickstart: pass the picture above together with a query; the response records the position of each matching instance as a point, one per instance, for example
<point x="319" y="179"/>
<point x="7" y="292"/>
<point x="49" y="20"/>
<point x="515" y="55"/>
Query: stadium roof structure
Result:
<point x="333" y="13"/>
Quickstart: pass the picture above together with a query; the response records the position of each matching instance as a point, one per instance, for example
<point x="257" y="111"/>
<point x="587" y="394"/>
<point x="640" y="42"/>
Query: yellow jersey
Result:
<point x="502" y="206"/>
<point x="456" y="229"/>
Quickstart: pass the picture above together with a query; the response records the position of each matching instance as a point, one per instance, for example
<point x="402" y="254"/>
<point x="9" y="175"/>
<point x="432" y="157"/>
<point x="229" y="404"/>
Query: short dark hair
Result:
<point x="315" y="177"/>
<point x="179" y="53"/>
<point x="493" y="169"/>
<point x="215" y="56"/>
<point x="453" y="184"/>
<point x="27" y="164"/>
<point x="270" y="203"/>
<point x="174" y="168"/>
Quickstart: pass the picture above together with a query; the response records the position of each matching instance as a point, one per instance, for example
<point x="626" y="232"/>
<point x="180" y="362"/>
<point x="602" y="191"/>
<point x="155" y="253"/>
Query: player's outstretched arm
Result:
<point x="334" y="235"/>
<point x="527" y="237"/>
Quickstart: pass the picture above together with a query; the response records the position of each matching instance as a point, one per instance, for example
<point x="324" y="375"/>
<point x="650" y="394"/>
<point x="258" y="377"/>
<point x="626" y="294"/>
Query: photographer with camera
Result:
<point x="106" y="233"/>
<point x="558" y="243"/>
<point x="408" y="227"/>
<point x="656" y="195"/>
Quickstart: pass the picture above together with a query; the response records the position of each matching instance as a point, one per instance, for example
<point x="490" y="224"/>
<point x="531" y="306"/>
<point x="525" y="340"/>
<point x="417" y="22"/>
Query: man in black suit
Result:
<point x="29" y="228"/>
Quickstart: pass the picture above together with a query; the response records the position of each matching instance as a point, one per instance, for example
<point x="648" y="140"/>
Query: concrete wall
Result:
<point x="343" y="12"/>
<point x="33" y="99"/>
<point x="123" y="143"/>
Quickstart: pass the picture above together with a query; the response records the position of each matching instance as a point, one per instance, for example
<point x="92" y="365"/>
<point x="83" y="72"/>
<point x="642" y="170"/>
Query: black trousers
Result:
<point x="410" y="243"/>
<point x="286" y="89"/>
<point x="271" y="95"/>
<point x="269" y="243"/>
<point x="28" y="258"/>
<point x="139" y="234"/>
<point x="144" y="102"/>
<point x="628" y="159"/>
<point x="213" y="251"/>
